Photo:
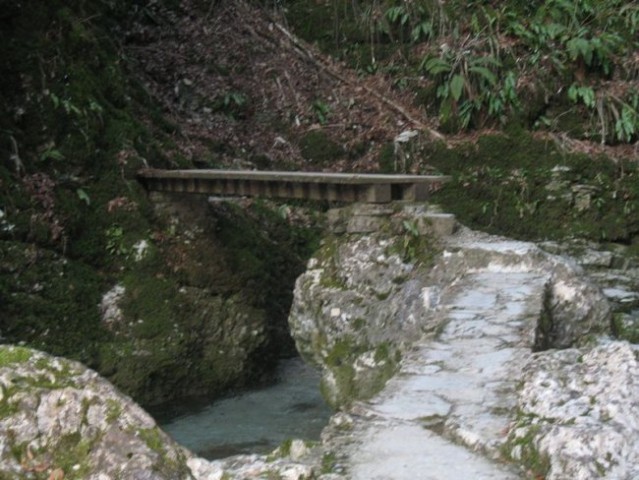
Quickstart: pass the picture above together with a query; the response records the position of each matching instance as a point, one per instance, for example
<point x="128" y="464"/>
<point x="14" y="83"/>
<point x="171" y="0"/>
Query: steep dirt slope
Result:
<point x="243" y="91"/>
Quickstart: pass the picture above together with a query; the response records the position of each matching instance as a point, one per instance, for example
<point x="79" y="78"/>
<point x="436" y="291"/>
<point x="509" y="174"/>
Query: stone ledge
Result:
<point x="396" y="218"/>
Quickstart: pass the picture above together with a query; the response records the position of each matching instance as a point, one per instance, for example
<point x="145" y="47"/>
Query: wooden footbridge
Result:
<point x="338" y="187"/>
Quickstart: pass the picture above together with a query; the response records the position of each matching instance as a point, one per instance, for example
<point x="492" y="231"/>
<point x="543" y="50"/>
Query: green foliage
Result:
<point x="115" y="244"/>
<point x="50" y="302"/>
<point x="584" y="94"/>
<point x="614" y="118"/>
<point x="409" y="240"/>
<point x="321" y="111"/>
<point x="232" y="104"/>
<point x="468" y="86"/>
<point x="82" y="195"/>
<point x="494" y="63"/>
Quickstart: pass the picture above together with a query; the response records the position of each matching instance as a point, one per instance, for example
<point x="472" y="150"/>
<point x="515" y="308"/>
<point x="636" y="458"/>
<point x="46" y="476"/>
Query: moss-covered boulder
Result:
<point x="360" y="301"/>
<point x="59" y="419"/>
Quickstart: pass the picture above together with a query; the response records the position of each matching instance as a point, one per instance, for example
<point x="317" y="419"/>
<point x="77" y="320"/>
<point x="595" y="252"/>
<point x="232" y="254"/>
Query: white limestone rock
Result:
<point x="110" y="310"/>
<point x="580" y="413"/>
<point x="58" y="416"/>
<point x="575" y="308"/>
<point x="359" y="295"/>
<point x="357" y="302"/>
<point x="245" y="467"/>
<point x="205" y="470"/>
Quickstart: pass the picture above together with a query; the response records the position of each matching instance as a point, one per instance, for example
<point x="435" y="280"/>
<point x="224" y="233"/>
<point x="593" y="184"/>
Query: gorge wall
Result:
<point x="466" y="352"/>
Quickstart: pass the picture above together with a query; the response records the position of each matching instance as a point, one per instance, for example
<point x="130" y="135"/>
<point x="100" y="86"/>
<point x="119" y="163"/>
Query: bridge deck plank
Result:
<point x="345" y="187"/>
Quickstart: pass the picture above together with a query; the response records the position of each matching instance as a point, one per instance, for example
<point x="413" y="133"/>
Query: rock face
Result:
<point x="486" y="314"/>
<point x="353" y="307"/>
<point x="178" y="298"/>
<point x="61" y="420"/>
<point x="501" y="371"/>
<point x="364" y="298"/>
<point x="578" y="413"/>
<point x="616" y="271"/>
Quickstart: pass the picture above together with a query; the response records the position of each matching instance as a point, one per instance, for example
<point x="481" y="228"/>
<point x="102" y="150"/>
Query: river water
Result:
<point x="256" y="421"/>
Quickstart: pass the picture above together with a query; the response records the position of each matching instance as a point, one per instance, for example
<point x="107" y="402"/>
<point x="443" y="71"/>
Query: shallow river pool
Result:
<point x="256" y="421"/>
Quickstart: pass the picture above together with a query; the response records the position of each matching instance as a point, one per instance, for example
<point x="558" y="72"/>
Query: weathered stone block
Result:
<point x="365" y="224"/>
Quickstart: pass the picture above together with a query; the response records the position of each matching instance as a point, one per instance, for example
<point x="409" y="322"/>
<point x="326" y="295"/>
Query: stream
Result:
<point x="256" y="421"/>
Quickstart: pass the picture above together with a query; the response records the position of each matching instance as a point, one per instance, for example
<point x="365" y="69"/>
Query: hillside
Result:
<point x="497" y="95"/>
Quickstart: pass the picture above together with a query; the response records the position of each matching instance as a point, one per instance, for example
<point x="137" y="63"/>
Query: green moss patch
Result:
<point x="350" y="384"/>
<point x="10" y="355"/>
<point x="49" y="301"/>
<point x="525" y="188"/>
<point x="528" y="454"/>
<point x="316" y="146"/>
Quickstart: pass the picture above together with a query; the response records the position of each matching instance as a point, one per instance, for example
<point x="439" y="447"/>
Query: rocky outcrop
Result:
<point x="365" y="297"/>
<point x="467" y="326"/>
<point x="471" y="356"/>
<point x="578" y="411"/>
<point x="195" y="303"/>
<point x="353" y="307"/>
<point x="616" y="270"/>
<point x="61" y="420"/>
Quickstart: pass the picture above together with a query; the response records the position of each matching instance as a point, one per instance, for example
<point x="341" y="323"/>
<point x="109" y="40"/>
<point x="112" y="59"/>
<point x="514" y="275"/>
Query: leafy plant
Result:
<point x="231" y="104"/>
<point x="115" y="244"/>
<point x="415" y="17"/>
<point x="51" y="154"/>
<point x="321" y="110"/>
<point x="82" y="195"/>
<point x="66" y="104"/>
<point x="410" y="239"/>
<point x="627" y="123"/>
<point x="584" y="94"/>
<point x="617" y="118"/>
<point x="481" y="59"/>
<point x="234" y="99"/>
<point x="468" y="84"/>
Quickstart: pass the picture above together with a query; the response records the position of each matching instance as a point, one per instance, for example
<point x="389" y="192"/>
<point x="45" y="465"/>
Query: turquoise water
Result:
<point x="256" y="421"/>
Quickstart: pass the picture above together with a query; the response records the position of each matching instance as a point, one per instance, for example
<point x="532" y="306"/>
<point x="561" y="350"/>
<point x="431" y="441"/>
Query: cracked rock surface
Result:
<point x="495" y="391"/>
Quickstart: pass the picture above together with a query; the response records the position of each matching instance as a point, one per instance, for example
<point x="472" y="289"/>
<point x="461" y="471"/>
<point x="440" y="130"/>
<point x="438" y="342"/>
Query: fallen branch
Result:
<point x="303" y="49"/>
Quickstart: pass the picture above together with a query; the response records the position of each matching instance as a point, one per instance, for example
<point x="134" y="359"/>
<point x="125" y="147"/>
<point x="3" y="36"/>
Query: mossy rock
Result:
<point x="87" y="125"/>
<point x="316" y="146"/>
<point x="500" y="185"/>
<point x="356" y="371"/>
<point x="49" y="301"/>
<point x="83" y="427"/>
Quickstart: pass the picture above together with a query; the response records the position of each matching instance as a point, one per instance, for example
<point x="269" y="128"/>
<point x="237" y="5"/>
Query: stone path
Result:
<point x="469" y="392"/>
<point x="445" y="415"/>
